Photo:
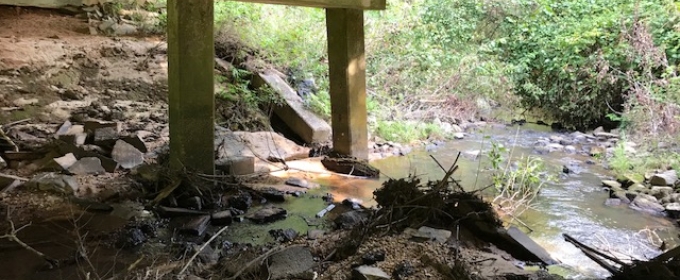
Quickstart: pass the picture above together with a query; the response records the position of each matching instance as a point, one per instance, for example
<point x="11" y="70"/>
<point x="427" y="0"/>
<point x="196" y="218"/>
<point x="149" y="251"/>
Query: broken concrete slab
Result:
<point x="236" y="165"/>
<point x="291" y="263"/>
<point x="530" y="245"/>
<point x="136" y="141"/>
<point x="109" y="164"/>
<point x="127" y="155"/>
<point x="69" y="133"/>
<point x="87" y="166"/>
<point x="67" y="161"/>
<point x="261" y="144"/>
<point x="304" y="123"/>
<point x="54" y="183"/>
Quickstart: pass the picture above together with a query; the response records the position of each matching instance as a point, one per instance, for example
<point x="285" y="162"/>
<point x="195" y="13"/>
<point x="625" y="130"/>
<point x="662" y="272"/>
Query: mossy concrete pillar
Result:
<point x="191" y="54"/>
<point x="347" y="63"/>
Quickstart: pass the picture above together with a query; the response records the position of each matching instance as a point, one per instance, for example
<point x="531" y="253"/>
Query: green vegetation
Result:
<point x="582" y="63"/>
<point x="519" y="184"/>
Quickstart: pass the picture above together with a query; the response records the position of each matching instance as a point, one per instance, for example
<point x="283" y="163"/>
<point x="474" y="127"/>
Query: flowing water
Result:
<point x="573" y="205"/>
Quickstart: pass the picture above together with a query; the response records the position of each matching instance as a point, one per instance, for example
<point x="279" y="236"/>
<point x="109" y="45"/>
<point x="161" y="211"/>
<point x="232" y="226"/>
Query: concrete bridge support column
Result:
<point x="347" y="62"/>
<point x="191" y="54"/>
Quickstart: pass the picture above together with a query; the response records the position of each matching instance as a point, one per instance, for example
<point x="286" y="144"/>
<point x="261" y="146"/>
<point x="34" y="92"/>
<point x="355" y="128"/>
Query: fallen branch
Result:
<point x="594" y="255"/>
<point x="181" y="272"/>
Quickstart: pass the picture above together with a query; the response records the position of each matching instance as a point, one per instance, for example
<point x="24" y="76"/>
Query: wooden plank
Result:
<point x="191" y="55"/>
<point x="344" y="4"/>
<point x="347" y="73"/>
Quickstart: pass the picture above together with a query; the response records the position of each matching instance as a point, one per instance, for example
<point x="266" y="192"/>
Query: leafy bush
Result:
<point x="572" y="57"/>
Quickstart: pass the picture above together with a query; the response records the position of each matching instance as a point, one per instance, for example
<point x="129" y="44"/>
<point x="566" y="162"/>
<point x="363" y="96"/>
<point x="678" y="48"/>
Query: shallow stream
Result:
<point x="573" y="205"/>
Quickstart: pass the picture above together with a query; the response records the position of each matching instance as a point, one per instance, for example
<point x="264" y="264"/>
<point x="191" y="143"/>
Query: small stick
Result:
<point x="14" y="177"/>
<point x="16" y="122"/>
<point x="201" y="249"/>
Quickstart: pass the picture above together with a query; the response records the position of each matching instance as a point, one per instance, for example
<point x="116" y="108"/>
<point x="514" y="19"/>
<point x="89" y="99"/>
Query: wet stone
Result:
<point x="267" y="214"/>
<point x="127" y="155"/>
<point x="241" y="201"/>
<point x="87" y="166"/>
<point x="403" y="270"/>
<point x="297" y="182"/>
<point x="131" y="237"/>
<point x="374" y="257"/>
<point x="673" y="210"/>
<point x="283" y="235"/>
<point x="196" y="226"/>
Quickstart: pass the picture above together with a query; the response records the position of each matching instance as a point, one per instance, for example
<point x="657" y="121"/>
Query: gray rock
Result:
<point x="297" y="182"/>
<point x="137" y="142"/>
<point x="267" y="214"/>
<point x="673" y="210"/>
<point x="127" y="155"/>
<point x="365" y="272"/>
<point x="638" y="188"/>
<point x="428" y="233"/>
<point x="292" y="263"/>
<point x="611" y="184"/>
<point x="459" y="135"/>
<point x="555" y="147"/>
<point x="621" y="195"/>
<point x="667" y="178"/>
<point x="314" y="234"/>
<point x="660" y="192"/>
<point x="570" y="149"/>
<point x="66" y="161"/>
<point x="237" y="165"/>
<point x="646" y="203"/>
<point x="87" y="166"/>
<point x="555" y="139"/>
<point x="54" y="183"/>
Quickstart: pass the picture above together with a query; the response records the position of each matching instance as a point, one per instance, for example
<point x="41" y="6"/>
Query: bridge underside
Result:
<point x="190" y="62"/>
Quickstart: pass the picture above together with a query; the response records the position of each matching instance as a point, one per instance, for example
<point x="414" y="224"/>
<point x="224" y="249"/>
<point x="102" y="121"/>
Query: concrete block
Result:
<point x="304" y="123"/>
